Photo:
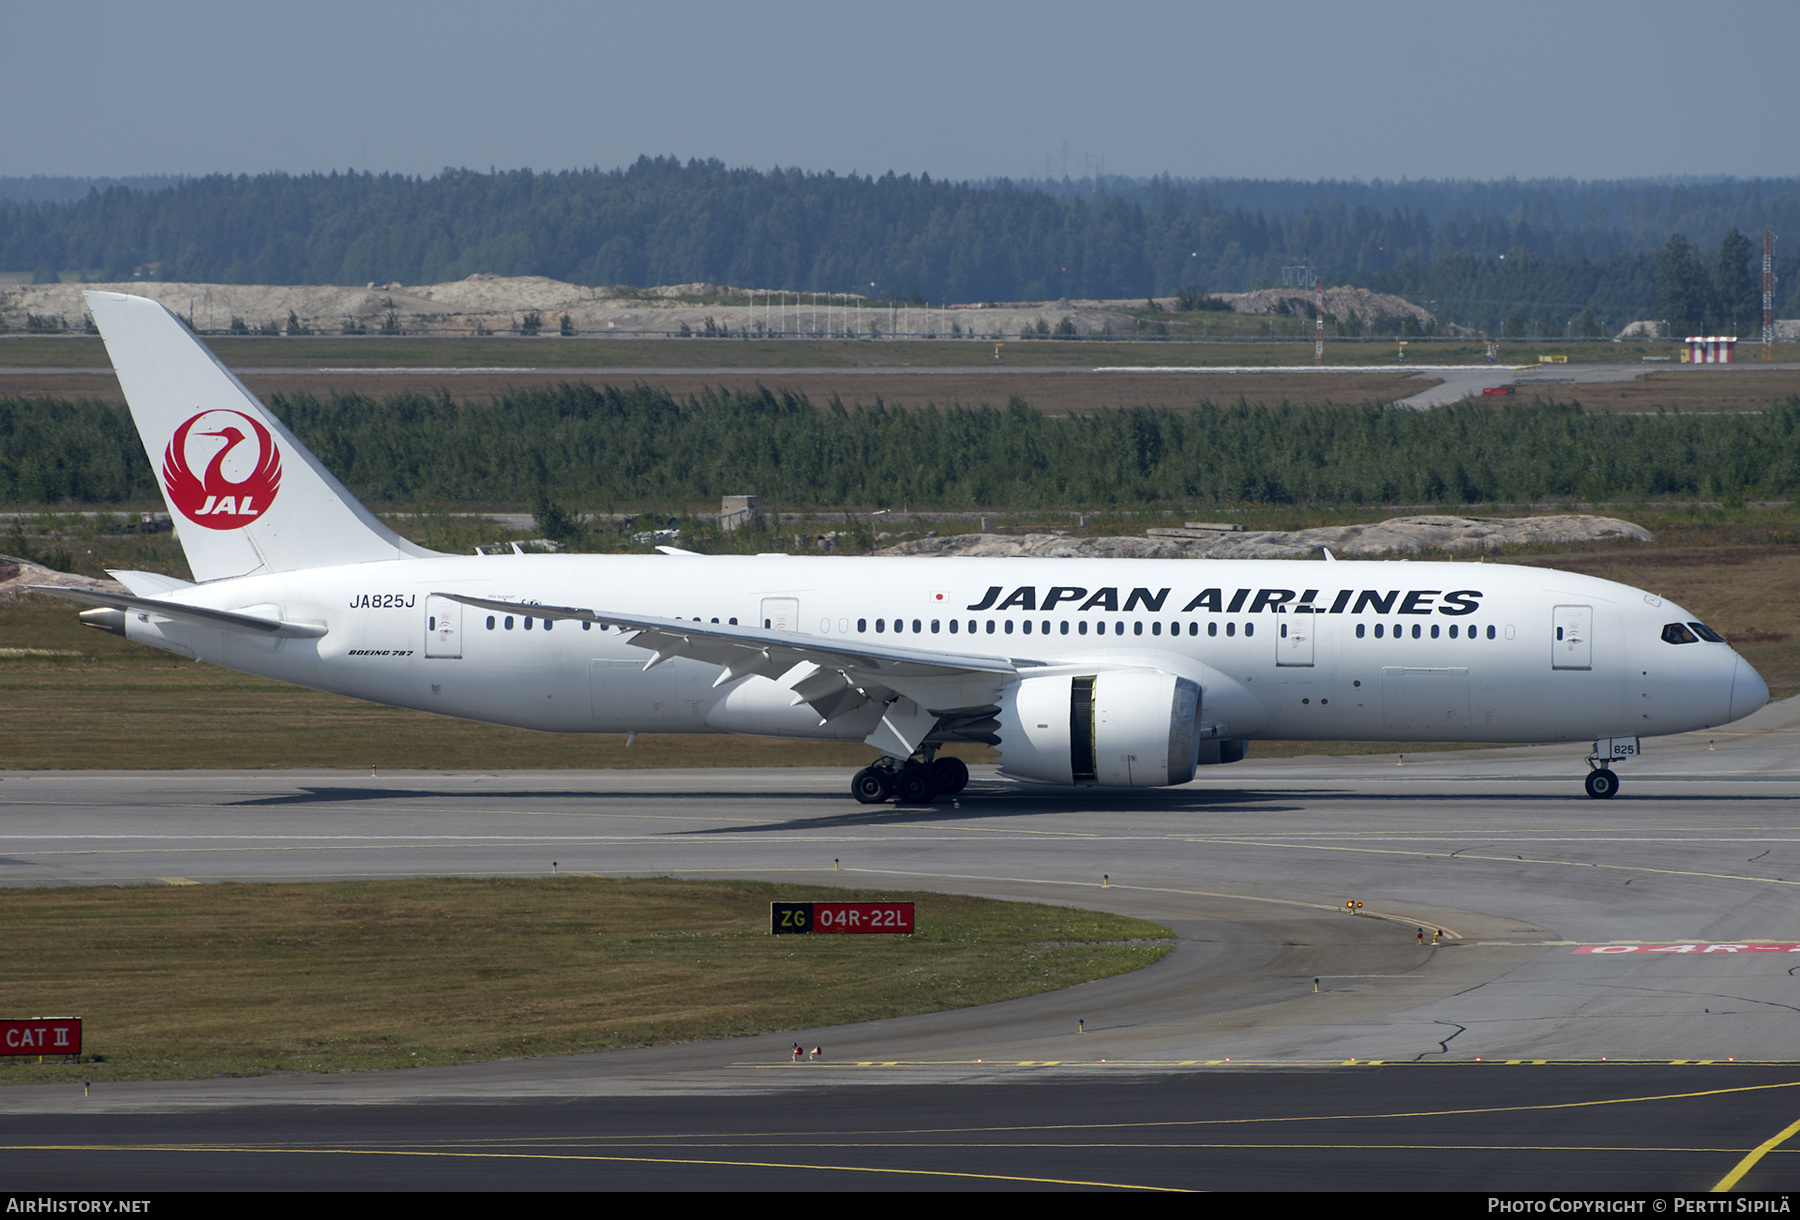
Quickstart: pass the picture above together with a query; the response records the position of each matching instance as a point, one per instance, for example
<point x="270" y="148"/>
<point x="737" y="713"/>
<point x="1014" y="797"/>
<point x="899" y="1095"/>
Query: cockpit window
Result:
<point x="1675" y="633"/>
<point x="1707" y="633"/>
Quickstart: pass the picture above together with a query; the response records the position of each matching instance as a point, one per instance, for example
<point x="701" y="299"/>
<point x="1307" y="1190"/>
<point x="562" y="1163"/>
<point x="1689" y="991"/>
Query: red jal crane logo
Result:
<point x="215" y="499"/>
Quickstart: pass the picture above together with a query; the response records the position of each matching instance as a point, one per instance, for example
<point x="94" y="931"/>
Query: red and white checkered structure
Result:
<point x="1710" y="349"/>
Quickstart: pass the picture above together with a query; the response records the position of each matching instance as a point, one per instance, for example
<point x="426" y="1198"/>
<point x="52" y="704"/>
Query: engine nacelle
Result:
<point x="1129" y="728"/>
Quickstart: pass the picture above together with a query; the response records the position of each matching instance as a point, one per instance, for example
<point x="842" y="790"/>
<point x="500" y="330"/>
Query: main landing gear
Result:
<point x="918" y="781"/>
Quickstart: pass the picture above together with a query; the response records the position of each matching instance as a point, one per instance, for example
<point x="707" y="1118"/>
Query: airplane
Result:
<point x="1108" y="672"/>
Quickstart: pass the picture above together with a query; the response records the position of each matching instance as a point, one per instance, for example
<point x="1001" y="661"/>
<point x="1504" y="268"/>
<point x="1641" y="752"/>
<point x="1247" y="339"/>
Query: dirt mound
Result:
<point x="1341" y="304"/>
<point x="493" y="303"/>
<point x="1398" y="536"/>
<point x="17" y="575"/>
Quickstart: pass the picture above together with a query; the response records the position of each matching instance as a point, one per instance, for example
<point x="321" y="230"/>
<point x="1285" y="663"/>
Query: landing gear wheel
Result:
<point x="951" y="775"/>
<point x="871" y="787"/>
<point x="916" y="786"/>
<point x="1602" y="784"/>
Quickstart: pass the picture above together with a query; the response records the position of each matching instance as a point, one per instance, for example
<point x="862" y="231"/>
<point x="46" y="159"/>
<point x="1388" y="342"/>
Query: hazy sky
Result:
<point x="965" y="89"/>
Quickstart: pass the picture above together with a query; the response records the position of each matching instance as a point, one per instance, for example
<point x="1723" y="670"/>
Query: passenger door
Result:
<point x="443" y="627"/>
<point x="1294" y="640"/>
<point x="781" y="613"/>
<point x="1571" y="645"/>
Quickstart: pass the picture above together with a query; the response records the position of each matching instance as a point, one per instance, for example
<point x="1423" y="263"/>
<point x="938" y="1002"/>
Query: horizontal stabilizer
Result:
<point x="148" y="584"/>
<point x="203" y="616"/>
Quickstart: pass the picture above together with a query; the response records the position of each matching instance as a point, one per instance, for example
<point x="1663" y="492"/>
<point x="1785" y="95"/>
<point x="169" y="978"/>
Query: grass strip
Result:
<point x="178" y="982"/>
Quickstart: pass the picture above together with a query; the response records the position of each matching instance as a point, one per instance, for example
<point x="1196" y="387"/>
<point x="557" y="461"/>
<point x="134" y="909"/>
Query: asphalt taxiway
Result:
<point x="1593" y="960"/>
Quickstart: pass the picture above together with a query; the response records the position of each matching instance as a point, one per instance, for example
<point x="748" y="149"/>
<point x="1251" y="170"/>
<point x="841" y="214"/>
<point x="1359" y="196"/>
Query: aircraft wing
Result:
<point x="920" y="686"/>
<point x="202" y="615"/>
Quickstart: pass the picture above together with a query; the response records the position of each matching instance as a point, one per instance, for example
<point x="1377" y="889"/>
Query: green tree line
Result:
<point x="661" y="221"/>
<point x="598" y="447"/>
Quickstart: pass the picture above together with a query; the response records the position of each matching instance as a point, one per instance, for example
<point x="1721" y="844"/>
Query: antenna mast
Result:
<point x="1319" y="326"/>
<point x="1768" y="336"/>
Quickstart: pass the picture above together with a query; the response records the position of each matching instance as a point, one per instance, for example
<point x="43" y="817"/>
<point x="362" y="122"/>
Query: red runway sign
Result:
<point x="792" y="918"/>
<point x="41" y="1036"/>
<point x="1719" y="948"/>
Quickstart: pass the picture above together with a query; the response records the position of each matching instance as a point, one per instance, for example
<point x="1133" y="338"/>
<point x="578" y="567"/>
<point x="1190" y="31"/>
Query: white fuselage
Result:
<point x="1395" y="651"/>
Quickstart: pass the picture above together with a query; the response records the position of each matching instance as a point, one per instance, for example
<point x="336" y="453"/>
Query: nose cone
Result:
<point x="1748" y="691"/>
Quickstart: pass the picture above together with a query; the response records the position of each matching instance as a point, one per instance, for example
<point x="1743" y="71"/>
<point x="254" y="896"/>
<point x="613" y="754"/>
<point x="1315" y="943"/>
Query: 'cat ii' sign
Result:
<point x="41" y="1036"/>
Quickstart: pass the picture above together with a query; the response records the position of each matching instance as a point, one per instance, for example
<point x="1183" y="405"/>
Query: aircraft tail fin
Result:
<point x="245" y="495"/>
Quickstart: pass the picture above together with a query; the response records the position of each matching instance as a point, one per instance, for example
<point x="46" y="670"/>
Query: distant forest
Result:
<point x="1475" y="253"/>
<point x="596" y="448"/>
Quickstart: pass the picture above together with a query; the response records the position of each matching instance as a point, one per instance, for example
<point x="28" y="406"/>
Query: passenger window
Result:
<point x="1137" y="628"/>
<point x="934" y="626"/>
<point x="1490" y="631"/>
<point x="862" y="624"/>
<point x="1416" y="631"/>
<point x="952" y="626"/>
<point x="990" y="626"/>
<point x="1674" y="633"/>
<point x="1082" y="628"/>
<point x="1008" y="626"/>
<point x="586" y="626"/>
<point x="1359" y="631"/>
<point x="916" y="626"/>
<point x="509" y="622"/>
<point x="880" y="624"/>
<point x="1065" y="626"/>
<point x="1434" y="631"/>
<point x="1379" y="630"/>
<point x="1249" y="630"/>
<point x="1212" y="629"/>
<point x="490" y="622"/>
<point x="1230" y="629"/>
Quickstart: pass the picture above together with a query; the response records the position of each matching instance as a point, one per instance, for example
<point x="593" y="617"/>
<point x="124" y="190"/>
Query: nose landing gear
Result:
<point x="1602" y="784"/>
